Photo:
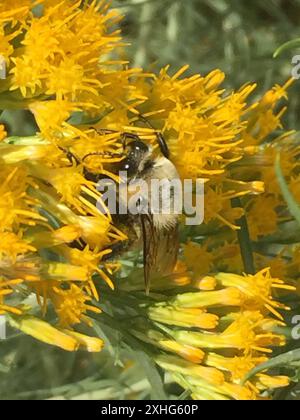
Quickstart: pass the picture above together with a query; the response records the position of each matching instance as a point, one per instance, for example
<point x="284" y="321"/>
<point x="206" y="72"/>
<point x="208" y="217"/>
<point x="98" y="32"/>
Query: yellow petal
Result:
<point x="44" y="332"/>
<point x="91" y="344"/>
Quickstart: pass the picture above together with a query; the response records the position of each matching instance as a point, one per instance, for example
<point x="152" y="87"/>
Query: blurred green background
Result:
<point x="237" y="36"/>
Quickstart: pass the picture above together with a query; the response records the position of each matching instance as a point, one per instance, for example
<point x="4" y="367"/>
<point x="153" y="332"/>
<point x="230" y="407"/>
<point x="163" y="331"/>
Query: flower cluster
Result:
<point x="53" y="237"/>
<point x="211" y="337"/>
<point x="64" y="64"/>
<point x="265" y="210"/>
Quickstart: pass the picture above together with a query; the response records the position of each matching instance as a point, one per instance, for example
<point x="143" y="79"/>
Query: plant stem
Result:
<point x="244" y="240"/>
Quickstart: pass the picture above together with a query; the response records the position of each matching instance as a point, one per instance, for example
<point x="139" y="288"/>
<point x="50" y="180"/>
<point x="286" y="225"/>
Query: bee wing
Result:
<point x="160" y="249"/>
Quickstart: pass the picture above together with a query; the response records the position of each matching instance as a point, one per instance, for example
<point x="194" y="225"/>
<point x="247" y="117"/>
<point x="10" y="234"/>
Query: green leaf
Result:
<point x="285" y="359"/>
<point x="185" y="395"/>
<point x="3" y="368"/>
<point x="81" y="118"/>
<point x="293" y="206"/>
<point x="153" y="376"/>
<point x="294" y="43"/>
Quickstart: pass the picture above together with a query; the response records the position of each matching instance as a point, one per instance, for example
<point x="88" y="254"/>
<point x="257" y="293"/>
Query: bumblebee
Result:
<point x="156" y="232"/>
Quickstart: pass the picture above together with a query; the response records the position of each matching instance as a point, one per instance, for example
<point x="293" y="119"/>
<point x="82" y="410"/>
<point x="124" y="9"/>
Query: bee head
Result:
<point x="137" y="154"/>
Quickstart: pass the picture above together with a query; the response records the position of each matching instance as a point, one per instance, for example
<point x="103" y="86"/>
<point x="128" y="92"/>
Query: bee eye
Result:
<point x="129" y="165"/>
<point x="136" y="152"/>
<point x="138" y="147"/>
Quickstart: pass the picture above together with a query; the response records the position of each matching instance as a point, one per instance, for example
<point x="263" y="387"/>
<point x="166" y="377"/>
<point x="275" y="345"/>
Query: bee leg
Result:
<point x="70" y="156"/>
<point x="103" y="130"/>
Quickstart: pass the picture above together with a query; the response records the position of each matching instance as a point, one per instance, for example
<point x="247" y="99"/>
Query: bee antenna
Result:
<point x="92" y="154"/>
<point x="163" y="145"/>
<point x="99" y="154"/>
<point x="70" y="156"/>
<point x="160" y="138"/>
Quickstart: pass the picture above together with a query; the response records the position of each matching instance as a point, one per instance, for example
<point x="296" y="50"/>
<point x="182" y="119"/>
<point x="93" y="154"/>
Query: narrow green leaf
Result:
<point x="153" y="376"/>
<point x="185" y="395"/>
<point x="285" y="359"/>
<point x="293" y="206"/>
<point x="294" y="43"/>
<point x="244" y="240"/>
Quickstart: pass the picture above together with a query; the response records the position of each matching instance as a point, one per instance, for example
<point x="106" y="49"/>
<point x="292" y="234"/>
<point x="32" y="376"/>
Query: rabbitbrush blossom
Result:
<point x="208" y="324"/>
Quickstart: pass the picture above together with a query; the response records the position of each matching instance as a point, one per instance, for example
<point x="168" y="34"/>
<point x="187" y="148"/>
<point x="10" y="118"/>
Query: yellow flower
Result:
<point x="12" y="245"/>
<point x="71" y="306"/>
<point x="262" y="223"/>
<point x="201" y="390"/>
<point x="91" y="260"/>
<point x="67" y="79"/>
<point x="51" y="115"/>
<point x="237" y="366"/>
<point x="61" y="50"/>
<point x="13" y="10"/>
<point x="65" y="272"/>
<point x="96" y="231"/>
<point x="27" y="75"/>
<point x="6" y="289"/>
<point x="34" y="149"/>
<point x="272" y="96"/>
<point x="3" y="133"/>
<point x="189" y="353"/>
<point x="280" y="266"/>
<point x="218" y="207"/>
<point x="73" y="188"/>
<point x="244" y="334"/>
<point x="6" y="49"/>
<point x="45" y="239"/>
<point x="206" y="283"/>
<point x="158" y="339"/>
<point x="229" y="296"/>
<point x="257" y="290"/>
<point x="44" y="332"/>
<point x="268" y="382"/>
<point x="65" y="339"/>
<point x="193" y="317"/>
<point x="16" y="206"/>
<point x="228" y="257"/>
<point x="198" y="259"/>
<point x="262" y="120"/>
<point x="91" y="344"/>
<point x="175" y="364"/>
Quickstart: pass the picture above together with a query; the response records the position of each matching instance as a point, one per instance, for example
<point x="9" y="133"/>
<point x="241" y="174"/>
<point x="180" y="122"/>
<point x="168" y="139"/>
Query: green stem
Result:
<point x="244" y="240"/>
